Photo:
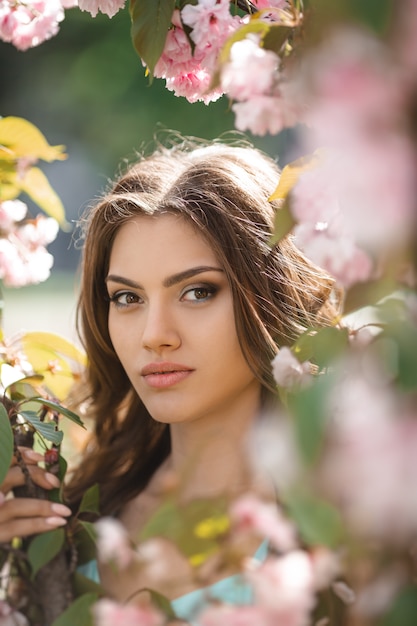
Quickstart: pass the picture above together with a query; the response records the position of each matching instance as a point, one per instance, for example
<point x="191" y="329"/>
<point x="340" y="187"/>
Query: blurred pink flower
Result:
<point x="250" y="71"/>
<point x="288" y="371"/>
<point x="9" y="617"/>
<point x="250" y="514"/>
<point x="38" y="232"/>
<point x="110" y="7"/>
<point x="28" y="23"/>
<point x="370" y="467"/>
<point x="262" y="114"/>
<point x="358" y="108"/>
<point x="109" y="613"/>
<point x="331" y="247"/>
<point x="284" y="587"/>
<point x="113" y="543"/>
<point x="322" y="232"/>
<point x="21" y="266"/>
<point x="11" y="211"/>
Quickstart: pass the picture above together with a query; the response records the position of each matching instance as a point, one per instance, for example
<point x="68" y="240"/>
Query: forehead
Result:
<point x="164" y="240"/>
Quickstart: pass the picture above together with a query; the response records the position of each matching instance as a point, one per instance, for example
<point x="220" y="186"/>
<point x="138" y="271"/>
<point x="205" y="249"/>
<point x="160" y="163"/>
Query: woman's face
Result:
<point x="172" y="323"/>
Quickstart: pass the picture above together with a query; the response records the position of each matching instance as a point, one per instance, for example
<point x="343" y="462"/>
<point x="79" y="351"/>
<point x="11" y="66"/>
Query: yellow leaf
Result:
<point x="37" y="186"/>
<point x="292" y="172"/>
<point x="24" y="139"/>
<point x="254" y="26"/>
<point x="59" y="361"/>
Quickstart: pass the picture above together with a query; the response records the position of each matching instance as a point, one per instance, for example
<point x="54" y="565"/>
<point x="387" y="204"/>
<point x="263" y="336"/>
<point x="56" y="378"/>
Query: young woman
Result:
<point x="184" y="303"/>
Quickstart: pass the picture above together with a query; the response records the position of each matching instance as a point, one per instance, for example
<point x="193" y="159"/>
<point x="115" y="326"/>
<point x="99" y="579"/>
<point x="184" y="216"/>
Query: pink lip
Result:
<point x="162" y="375"/>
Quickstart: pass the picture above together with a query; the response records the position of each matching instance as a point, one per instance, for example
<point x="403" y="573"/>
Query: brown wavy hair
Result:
<point x="223" y="191"/>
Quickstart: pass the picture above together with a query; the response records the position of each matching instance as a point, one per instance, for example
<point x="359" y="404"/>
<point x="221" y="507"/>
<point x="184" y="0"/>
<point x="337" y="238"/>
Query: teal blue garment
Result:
<point x="232" y="590"/>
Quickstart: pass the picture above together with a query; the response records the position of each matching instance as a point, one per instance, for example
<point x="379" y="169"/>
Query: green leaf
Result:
<point x="162" y="603"/>
<point x="403" y="362"/>
<point x="403" y="611"/>
<point x="91" y="500"/>
<point x="58" y="408"/>
<point x="283" y="223"/>
<point x="6" y="443"/>
<point x="367" y="294"/>
<point x="317" y="521"/>
<point x="276" y="37"/>
<point x="303" y="348"/>
<point x="47" y="430"/>
<point x="310" y="416"/>
<point x="44" y="547"/>
<point x="151" y="20"/>
<point x="83" y="585"/>
<point x="328" y="344"/>
<point x="79" y="612"/>
<point x="85" y="538"/>
<point x="376" y="14"/>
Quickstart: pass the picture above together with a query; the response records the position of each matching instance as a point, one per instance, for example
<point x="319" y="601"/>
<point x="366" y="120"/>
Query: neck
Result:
<point x="209" y="455"/>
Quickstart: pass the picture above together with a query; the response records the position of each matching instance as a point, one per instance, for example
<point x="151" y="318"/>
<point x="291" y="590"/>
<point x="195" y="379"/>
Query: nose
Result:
<point x="160" y="331"/>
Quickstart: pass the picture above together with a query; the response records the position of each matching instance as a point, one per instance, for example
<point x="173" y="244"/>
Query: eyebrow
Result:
<point x="170" y="281"/>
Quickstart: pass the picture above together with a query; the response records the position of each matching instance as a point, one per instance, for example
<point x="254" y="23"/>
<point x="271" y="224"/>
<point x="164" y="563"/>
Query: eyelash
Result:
<point x="210" y="289"/>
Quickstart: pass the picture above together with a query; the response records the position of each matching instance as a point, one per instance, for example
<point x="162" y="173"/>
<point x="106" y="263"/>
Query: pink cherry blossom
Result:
<point x="322" y="232"/>
<point x="194" y="86"/>
<point x="182" y="70"/>
<point x="370" y="467"/>
<point x="11" y="211"/>
<point x="211" y="22"/>
<point x="109" y="613"/>
<point x="113" y="543"/>
<point x="250" y="71"/>
<point x="109" y="7"/>
<point x="38" y="232"/>
<point x="28" y="23"/>
<point x="261" y="115"/>
<point x="288" y="371"/>
<point x="250" y="514"/>
<point x="284" y="587"/>
<point x="329" y="246"/>
<point x="374" y="161"/>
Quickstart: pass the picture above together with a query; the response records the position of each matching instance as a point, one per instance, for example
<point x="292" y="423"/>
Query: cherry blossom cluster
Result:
<point x="370" y="465"/>
<point x="358" y="204"/>
<point x="28" y="23"/>
<point x="285" y="584"/>
<point x="250" y="76"/>
<point x="24" y="259"/>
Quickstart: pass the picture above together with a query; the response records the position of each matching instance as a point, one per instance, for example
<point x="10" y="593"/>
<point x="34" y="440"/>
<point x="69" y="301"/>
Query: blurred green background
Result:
<point x="86" y="88"/>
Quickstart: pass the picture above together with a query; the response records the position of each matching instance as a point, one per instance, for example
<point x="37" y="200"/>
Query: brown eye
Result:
<point x="199" y="294"/>
<point x="125" y="298"/>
